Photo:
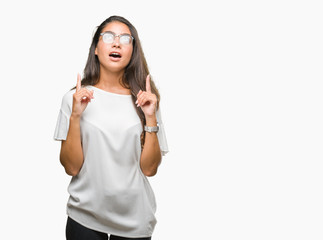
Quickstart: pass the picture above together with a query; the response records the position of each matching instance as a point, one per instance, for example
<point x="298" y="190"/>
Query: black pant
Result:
<point x="75" y="231"/>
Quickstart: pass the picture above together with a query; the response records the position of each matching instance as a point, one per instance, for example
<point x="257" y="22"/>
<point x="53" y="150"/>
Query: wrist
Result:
<point x="75" y="116"/>
<point x="151" y="121"/>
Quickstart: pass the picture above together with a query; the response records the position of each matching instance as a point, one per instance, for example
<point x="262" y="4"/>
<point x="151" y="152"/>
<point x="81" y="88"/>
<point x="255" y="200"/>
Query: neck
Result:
<point x="110" y="79"/>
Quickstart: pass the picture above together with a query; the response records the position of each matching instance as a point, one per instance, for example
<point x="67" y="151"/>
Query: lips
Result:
<point x="115" y="56"/>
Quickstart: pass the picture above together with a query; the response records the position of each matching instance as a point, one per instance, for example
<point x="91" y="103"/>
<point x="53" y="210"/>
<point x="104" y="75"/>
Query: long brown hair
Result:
<point x="136" y="71"/>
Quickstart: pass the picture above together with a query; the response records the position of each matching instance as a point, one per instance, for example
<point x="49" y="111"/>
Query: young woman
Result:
<point x="112" y="139"/>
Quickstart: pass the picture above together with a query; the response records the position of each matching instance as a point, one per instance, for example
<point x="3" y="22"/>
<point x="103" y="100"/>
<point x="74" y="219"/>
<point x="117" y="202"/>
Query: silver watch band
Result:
<point x="151" y="129"/>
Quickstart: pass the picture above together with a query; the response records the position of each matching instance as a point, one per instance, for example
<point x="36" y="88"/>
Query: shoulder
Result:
<point x="68" y="96"/>
<point x="67" y="101"/>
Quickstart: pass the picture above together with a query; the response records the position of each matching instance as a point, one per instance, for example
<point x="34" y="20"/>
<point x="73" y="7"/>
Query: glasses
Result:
<point x="109" y="37"/>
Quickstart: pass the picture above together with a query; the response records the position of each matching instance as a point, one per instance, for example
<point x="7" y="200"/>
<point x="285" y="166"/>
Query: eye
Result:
<point x="108" y="37"/>
<point x="125" y="39"/>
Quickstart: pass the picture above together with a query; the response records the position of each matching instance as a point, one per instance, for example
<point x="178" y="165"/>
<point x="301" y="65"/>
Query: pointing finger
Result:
<point x="78" y="85"/>
<point x="148" y="88"/>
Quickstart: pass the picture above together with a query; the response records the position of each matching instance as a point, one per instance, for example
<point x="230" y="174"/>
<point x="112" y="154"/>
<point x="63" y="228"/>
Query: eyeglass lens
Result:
<point x="110" y="37"/>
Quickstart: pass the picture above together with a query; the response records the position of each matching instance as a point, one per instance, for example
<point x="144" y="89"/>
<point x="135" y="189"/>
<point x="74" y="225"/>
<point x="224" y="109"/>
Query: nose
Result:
<point x="116" y="43"/>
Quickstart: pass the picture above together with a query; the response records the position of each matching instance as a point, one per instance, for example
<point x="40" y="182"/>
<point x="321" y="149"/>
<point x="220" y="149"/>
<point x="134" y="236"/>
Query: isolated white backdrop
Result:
<point x="241" y="87"/>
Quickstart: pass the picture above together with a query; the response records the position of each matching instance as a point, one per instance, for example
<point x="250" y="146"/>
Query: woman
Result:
<point x="112" y="139"/>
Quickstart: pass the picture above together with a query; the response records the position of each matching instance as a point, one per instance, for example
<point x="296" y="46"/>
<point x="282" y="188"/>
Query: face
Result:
<point x="114" y="56"/>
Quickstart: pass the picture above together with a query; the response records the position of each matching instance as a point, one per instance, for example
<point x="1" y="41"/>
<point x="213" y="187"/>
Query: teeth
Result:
<point x="115" y="54"/>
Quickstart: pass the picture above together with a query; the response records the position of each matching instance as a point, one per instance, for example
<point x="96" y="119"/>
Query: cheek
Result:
<point x="129" y="54"/>
<point x="100" y="49"/>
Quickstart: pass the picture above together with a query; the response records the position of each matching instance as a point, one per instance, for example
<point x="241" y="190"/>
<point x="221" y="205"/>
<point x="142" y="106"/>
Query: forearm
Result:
<point x="151" y="155"/>
<point x="71" y="155"/>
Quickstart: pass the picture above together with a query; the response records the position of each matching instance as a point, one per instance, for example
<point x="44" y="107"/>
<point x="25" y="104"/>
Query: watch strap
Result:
<point x="151" y="129"/>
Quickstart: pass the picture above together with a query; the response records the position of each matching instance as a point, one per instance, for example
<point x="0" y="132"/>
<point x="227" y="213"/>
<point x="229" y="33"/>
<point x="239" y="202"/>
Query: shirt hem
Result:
<point x="104" y="231"/>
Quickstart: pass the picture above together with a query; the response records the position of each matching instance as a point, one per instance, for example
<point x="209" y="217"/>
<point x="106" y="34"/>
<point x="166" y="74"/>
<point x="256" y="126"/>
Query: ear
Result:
<point x="96" y="51"/>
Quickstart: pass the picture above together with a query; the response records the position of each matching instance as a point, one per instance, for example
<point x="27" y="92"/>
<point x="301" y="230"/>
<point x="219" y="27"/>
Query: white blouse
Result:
<point x="110" y="194"/>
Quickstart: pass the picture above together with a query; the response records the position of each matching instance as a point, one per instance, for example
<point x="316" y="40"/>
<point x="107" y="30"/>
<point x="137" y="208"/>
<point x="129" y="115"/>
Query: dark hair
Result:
<point x="136" y="71"/>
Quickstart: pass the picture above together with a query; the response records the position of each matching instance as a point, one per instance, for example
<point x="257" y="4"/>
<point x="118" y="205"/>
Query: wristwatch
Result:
<point x="152" y="129"/>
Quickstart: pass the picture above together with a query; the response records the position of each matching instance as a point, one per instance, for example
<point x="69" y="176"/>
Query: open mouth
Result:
<point x="115" y="55"/>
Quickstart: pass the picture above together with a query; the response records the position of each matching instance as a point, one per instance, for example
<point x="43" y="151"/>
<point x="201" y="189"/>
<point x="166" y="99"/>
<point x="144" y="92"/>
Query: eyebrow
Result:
<point x="116" y="34"/>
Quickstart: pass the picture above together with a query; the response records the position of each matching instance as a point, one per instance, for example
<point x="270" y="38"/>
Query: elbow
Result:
<point x="150" y="172"/>
<point x="149" y="165"/>
<point x="71" y="172"/>
<point x="69" y="169"/>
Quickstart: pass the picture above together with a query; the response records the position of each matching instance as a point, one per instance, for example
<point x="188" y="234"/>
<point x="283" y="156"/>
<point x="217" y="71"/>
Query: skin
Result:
<point x="71" y="155"/>
<point x="110" y="71"/>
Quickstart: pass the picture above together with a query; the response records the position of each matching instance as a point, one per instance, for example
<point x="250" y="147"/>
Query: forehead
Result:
<point x="116" y="27"/>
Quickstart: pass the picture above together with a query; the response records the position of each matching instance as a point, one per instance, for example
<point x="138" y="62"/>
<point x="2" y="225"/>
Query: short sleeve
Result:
<point x="63" y="120"/>
<point x="161" y="135"/>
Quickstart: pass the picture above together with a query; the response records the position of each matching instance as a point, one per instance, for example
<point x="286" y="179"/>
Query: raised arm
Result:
<point x="151" y="155"/>
<point x="71" y="154"/>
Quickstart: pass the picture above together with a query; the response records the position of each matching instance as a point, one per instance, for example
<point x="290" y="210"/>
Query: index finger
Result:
<point x="78" y="84"/>
<point x="148" y="88"/>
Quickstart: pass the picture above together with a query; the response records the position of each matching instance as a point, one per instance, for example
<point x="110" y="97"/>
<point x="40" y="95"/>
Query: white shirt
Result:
<point x="110" y="194"/>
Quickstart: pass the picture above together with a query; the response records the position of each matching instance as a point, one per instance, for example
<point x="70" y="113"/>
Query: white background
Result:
<point x="241" y="88"/>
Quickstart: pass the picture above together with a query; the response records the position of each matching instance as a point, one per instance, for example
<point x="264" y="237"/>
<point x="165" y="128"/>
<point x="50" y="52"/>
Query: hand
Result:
<point x="81" y="98"/>
<point x="147" y="100"/>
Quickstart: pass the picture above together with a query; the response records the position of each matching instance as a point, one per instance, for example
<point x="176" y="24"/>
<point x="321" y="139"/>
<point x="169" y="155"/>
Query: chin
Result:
<point x="114" y="67"/>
